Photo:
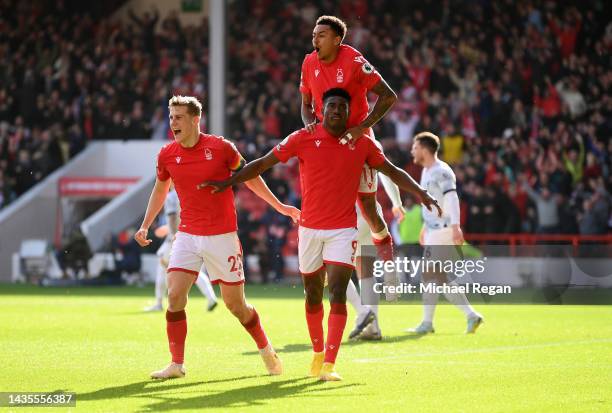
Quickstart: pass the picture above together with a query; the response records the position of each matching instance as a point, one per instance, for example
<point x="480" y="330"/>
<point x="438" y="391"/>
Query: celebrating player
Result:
<point x="171" y="211"/>
<point x="333" y="64"/>
<point x="336" y="65"/>
<point x="207" y="230"/>
<point x="439" y="180"/>
<point x="329" y="173"/>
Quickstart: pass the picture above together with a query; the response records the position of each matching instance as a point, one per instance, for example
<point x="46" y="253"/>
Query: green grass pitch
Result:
<point x="98" y="343"/>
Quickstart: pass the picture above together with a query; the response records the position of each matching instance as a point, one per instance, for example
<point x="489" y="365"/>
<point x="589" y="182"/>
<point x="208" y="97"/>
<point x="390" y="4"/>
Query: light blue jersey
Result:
<point x="438" y="180"/>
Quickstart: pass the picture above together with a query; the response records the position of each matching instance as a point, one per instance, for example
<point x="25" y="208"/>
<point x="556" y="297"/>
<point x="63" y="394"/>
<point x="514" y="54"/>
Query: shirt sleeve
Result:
<point x="304" y="86"/>
<point x="375" y="157"/>
<point x="289" y="146"/>
<point x="365" y="74"/>
<point x="446" y="181"/>
<point x="232" y="156"/>
<point x="162" y="172"/>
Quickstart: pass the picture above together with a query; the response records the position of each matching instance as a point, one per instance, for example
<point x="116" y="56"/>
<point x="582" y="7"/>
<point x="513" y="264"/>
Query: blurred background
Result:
<point x="518" y="91"/>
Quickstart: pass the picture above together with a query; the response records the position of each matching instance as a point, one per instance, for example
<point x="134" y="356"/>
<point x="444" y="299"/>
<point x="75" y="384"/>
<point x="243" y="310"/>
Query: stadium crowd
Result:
<point x="68" y="77"/>
<point x="518" y="91"/>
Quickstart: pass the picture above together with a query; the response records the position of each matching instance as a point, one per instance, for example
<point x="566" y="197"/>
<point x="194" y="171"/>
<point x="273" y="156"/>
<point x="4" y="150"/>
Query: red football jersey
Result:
<point x="212" y="159"/>
<point x="349" y="71"/>
<point x="329" y="175"/>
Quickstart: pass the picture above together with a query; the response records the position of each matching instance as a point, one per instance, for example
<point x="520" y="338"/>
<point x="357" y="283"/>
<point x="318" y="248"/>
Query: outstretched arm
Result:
<point x="259" y="187"/>
<point x="394" y="195"/>
<point x="386" y="99"/>
<point x="405" y="182"/>
<point x="156" y="202"/>
<point x="249" y="171"/>
<point x="250" y="174"/>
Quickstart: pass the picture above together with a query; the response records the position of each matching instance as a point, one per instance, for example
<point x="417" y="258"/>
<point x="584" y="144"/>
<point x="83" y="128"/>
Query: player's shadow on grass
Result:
<point x="386" y="340"/>
<point x="288" y="348"/>
<point x="147" y="388"/>
<point x="244" y="397"/>
<point x="298" y="348"/>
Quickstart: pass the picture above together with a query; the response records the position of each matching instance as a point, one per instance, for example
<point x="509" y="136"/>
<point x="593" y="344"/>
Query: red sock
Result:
<point x="335" y="328"/>
<point x="256" y="331"/>
<point x="384" y="248"/>
<point x="176" y="327"/>
<point x="314" y="319"/>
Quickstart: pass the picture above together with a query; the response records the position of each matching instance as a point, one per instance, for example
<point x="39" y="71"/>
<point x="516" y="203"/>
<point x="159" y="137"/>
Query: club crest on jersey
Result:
<point x="178" y="159"/>
<point x="339" y="75"/>
<point x="317" y="72"/>
<point x="207" y="154"/>
<point x="318" y="143"/>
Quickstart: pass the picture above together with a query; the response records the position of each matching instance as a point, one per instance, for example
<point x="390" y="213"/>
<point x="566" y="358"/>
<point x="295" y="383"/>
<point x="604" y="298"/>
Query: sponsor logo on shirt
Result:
<point x="207" y="154"/>
<point x="339" y="75"/>
<point x="318" y="143"/>
<point x="178" y="159"/>
<point x="317" y="72"/>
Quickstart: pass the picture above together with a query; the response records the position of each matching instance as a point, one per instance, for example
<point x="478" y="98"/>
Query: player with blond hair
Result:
<point x="207" y="230"/>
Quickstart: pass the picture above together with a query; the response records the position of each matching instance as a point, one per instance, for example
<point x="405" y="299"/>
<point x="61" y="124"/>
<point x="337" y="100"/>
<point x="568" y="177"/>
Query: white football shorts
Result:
<point x="317" y="247"/>
<point x="220" y="254"/>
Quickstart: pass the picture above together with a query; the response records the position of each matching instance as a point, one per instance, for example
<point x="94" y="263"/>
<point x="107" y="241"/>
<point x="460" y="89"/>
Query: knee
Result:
<point x="337" y="295"/>
<point x="314" y="297"/>
<point x="238" y="309"/>
<point x="176" y="300"/>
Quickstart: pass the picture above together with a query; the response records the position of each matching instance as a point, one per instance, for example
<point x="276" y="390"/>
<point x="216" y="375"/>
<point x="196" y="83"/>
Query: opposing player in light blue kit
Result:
<point x="439" y="180"/>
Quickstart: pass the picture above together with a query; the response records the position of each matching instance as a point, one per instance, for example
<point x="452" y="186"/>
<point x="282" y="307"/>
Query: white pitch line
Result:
<point x="484" y="350"/>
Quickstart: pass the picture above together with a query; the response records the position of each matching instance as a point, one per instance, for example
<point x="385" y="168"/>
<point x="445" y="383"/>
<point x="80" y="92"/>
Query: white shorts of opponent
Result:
<point x="438" y="243"/>
<point x="163" y="252"/>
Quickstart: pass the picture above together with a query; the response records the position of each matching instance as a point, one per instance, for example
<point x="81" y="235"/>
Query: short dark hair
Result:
<point x="429" y="141"/>
<point x="336" y="92"/>
<point x="335" y="23"/>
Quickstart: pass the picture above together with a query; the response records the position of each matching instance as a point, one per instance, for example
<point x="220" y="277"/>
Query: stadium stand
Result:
<point x="518" y="93"/>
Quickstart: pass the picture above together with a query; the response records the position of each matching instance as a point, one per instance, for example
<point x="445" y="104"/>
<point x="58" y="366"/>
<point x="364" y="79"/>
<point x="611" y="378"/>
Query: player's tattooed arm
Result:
<point x="249" y="171"/>
<point x="307" y="112"/>
<point x="386" y="99"/>
<point x="408" y="184"/>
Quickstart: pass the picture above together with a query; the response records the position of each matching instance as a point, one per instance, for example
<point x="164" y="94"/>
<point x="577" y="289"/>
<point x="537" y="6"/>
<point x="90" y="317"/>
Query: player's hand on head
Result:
<point x="399" y="213"/>
<point x="141" y="237"/>
<point x="291" y="211"/>
<point x="352" y="134"/>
